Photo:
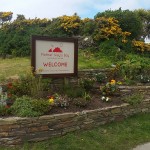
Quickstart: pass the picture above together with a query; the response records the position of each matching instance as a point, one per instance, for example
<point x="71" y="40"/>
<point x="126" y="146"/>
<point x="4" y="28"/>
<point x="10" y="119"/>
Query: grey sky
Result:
<point x="54" y="8"/>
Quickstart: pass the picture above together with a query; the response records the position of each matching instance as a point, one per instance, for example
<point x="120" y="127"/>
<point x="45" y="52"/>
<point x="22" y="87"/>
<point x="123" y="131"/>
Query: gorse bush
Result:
<point x="122" y="26"/>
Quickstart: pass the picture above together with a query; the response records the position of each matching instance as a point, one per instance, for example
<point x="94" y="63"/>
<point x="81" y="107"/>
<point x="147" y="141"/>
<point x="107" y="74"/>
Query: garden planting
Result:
<point x="113" y="80"/>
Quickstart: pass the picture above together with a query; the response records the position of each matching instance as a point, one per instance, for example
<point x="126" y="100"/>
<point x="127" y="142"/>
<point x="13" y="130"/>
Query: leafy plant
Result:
<point x="143" y="78"/>
<point x="134" y="99"/>
<point x="111" y="88"/>
<point x="73" y="91"/>
<point x="4" y="110"/>
<point x="82" y="101"/>
<point x="87" y="83"/>
<point x="30" y="84"/>
<point x="101" y="77"/>
<point x="27" y="107"/>
<point x="61" y="100"/>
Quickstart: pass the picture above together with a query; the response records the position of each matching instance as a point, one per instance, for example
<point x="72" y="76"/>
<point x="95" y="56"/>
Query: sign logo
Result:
<point x="56" y="50"/>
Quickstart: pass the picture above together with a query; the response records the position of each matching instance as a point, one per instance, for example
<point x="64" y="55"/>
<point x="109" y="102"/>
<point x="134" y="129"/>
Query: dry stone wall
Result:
<point x="16" y="130"/>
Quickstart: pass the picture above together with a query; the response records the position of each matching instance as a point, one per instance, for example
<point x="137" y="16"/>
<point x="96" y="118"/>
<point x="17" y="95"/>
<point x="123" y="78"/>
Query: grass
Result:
<point x="17" y="66"/>
<point x="115" y="136"/>
<point x="88" y="60"/>
<point x="14" y="66"/>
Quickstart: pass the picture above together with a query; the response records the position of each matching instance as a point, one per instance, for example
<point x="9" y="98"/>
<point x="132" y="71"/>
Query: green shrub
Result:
<point x="61" y="100"/>
<point x="134" y="99"/>
<point x="74" y="92"/>
<point x="82" y="101"/>
<point x="31" y="85"/>
<point x="110" y="88"/>
<point x="28" y="107"/>
<point x="87" y="83"/>
<point x="101" y="77"/>
<point x="143" y="78"/>
<point x="4" y="110"/>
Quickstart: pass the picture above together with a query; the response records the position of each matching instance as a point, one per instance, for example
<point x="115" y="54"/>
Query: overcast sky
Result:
<point x="55" y="8"/>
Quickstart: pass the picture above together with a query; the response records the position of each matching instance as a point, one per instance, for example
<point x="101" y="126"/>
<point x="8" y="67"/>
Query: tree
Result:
<point x="128" y="20"/>
<point x="20" y="17"/>
<point x="5" y="16"/>
<point x="145" y="17"/>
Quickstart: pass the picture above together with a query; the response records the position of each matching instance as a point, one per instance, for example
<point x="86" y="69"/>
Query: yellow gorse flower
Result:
<point x="112" y="81"/>
<point x="51" y="100"/>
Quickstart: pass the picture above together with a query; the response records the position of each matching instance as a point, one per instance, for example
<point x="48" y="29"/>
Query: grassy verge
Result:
<point x="14" y="66"/>
<point x="115" y="136"/>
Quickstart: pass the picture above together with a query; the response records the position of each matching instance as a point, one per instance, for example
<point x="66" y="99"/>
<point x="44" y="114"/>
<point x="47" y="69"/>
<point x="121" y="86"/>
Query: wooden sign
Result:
<point x="54" y="57"/>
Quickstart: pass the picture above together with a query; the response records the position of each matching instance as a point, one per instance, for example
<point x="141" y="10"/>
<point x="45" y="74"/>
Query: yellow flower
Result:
<point x="112" y="82"/>
<point x="51" y="100"/>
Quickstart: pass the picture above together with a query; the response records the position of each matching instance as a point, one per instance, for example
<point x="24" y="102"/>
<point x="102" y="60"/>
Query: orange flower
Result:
<point x="112" y="81"/>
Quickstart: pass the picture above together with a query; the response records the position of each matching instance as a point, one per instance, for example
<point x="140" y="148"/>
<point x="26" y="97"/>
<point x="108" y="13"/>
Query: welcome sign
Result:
<point x="54" y="57"/>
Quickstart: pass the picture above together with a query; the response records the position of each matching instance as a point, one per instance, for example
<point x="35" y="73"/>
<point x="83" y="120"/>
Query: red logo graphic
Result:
<point x="56" y="50"/>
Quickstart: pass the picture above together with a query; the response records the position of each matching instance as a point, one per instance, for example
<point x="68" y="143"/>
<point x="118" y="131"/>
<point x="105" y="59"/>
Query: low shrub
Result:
<point x="110" y="88"/>
<point x="134" y="99"/>
<point x="4" y="110"/>
<point x="87" y="83"/>
<point x="82" y="101"/>
<point x="61" y="100"/>
<point x="28" y="107"/>
<point x="143" y="78"/>
<point x="101" y="77"/>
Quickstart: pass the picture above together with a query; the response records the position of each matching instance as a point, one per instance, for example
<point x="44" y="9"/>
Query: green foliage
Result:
<point x="108" y="47"/>
<point x="27" y="107"/>
<point x="128" y="20"/>
<point x="143" y="78"/>
<point x="133" y="66"/>
<point x="82" y="101"/>
<point x="110" y="88"/>
<point x="134" y="99"/>
<point x="74" y="92"/>
<point x="87" y="27"/>
<point x="30" y="84"/>
<point x="61" y="101"/>
<point x="4" y="110"/>
<point x="87" y="83"/>
<point x="145" y="17"/>
<point x="101" y="77"/>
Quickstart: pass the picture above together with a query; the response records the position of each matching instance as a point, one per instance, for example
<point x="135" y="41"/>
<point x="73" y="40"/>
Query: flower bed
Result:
<point x="45" y="109"/>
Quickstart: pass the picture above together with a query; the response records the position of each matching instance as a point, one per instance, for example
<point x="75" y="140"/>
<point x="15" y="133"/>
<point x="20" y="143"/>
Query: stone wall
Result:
<point x="16" y="130"/>
<point x="81" y="73"/>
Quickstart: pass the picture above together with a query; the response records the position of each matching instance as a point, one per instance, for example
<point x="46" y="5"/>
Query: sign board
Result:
<point x="54" y="57"/>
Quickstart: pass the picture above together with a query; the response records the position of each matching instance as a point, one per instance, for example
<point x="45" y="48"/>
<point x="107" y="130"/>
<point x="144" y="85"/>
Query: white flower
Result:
<point x="103" y="98"/>
<point x="107" y="99"/>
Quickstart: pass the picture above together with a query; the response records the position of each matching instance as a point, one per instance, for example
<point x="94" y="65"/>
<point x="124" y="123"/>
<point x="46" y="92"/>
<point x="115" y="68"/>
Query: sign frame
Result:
<point x="34" y="58"/>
